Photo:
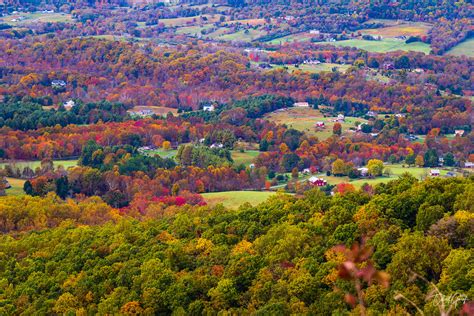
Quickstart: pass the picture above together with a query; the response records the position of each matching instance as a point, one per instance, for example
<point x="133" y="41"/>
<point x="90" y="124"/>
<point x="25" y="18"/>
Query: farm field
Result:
<point x="233" y="199"/>
<point x="159" y="110"/>
<point x="245" y="158"/>
<point x="404" y="29"/>
<point x="16" y="186"/>
<point x="304" y="119"/>
<point x="465" y="48"/>
<point x="242" y="35"/>
<point x="396" y="171"/>
<point x="162" y="153"/>
<point x="319" y="67"/>
<point x="35" y="164"/>
<point x="252" y="22"/>
<point x="189" y="20"/>
<point x="312" y="68"/>
<point x="382" y="46"/>
<point x="194" y="30"/>
<point x="299" y="37"/>
<point x="23" y="19"/>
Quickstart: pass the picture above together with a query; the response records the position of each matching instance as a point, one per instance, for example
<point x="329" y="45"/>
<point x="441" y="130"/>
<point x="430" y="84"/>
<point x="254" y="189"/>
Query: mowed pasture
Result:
<point x="252" y="22"/>
<point x="311" y="68"/>
<point x="396" y="171"/>
<point x="194" y="30"/>
<point x="316" y="68"/>
<point x="383" y="46"/>
<point x="244" y="158"/>
<point x="304" y="119"/>
<point x="37" y="164"/>
<point x="405" y="29"/>
<point x="248" y="35"/>
<point x="465" y="48"/>
<point x="158" y="110"/>
<point x="187" y="21"/>
<point x="233" y="199"/>
<point x="22" y="19"/>
<point x="298" y="37"/>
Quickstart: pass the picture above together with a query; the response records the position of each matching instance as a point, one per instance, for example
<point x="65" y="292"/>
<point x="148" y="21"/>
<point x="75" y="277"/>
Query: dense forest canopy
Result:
<point x="275" y="258"/>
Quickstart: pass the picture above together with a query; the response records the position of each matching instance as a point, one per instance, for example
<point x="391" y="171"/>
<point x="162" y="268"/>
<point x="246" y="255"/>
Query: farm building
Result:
<point x="468" y="164"/>
<point x="69" y="104"/>
<point x="434" y="172"/>
<point x="142" y="113"/>
<point x="209" y="108"/>
<point x="301" y="104"/>
<point x="319" y="124"/>
<point x="311" y="62"/>
<point x="340" y="118"/>
<point x="58" y="83"/>
<point x="371" y="114"/>
<point x="320" y="182"/>
<point x="363" y="171"/>
<point x="6" y="184"/>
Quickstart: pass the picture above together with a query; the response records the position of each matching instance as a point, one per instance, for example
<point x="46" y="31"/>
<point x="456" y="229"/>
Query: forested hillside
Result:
<point x="277" y="258"/>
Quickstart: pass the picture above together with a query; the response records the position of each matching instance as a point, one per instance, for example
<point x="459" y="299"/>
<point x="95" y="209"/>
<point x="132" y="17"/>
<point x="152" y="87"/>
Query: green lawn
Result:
<point x="465" y="48"/>
<point x="245" y="158"/>
<point x="35" y="164"/>
<point x="385" y="45"/>
<point x="233" y="199"/>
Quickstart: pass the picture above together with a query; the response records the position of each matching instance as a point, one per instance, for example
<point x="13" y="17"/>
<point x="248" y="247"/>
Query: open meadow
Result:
<point x="233" y="199"/>
<point x="36" y="164"/>
<point x="314" y="68"/>
<point x="383" y="46"/>
<point x="400" y="29"/>
<point x="465" y="48"/>
<point x="22" y="18"/>
<point x="304" y="119"/>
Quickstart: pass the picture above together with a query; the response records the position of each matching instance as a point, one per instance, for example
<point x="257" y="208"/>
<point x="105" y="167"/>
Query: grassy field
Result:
<point x="396" y="171"/>
<point x="252" y="22"/>
<point x="22" y="19"/>
<point x="233" y="199"/>
<point x="186" y="21"/>
<point x="245" y="158"/>
<point x="404" y="29"/>
<point x="299" y="37"/>
<point x="242" y="35"/>
<point x="194" y="30"/>
<point x="319" y="67"/>
<point x="304" y="119"/>
<point x="385" y="45"/>
<point x="159" y="110"/>
<point x="16" y="186"/>
<point x="35" y="164"/>
<point x="311" y="68"/>
<point x="162" y="153"/>
<point x="465" y="48"/>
